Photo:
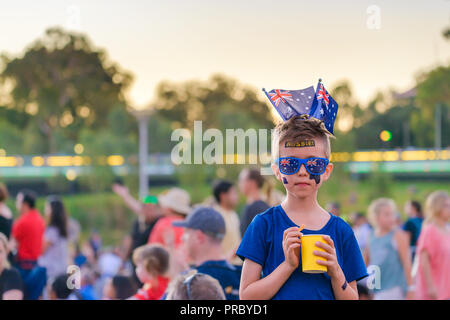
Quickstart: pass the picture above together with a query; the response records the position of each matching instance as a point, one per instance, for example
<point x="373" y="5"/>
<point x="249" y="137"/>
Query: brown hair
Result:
<point x="202" y="287"/>
<point x="3" y="192"/>
<point x="154" y="257"/>
<point x="300" y="127"/>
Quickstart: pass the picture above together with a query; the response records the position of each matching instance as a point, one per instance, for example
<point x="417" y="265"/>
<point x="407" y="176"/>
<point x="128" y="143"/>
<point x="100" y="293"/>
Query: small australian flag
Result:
<point x="289" y="103"/>
<point x="324" y="107"/>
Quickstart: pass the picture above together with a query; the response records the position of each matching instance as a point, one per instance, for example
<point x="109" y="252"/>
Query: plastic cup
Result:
<point x="308" y="246"/>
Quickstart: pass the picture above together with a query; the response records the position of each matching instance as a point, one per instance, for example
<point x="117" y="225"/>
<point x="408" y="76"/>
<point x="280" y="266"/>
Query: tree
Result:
<point x="220" y="102"/>
<point x="433" y="88"/>
<point x="65" y="83"/>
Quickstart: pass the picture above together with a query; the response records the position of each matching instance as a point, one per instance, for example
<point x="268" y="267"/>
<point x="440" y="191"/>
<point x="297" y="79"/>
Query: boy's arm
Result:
<point x="341" y="288"/>
<point x="253" y="287"/>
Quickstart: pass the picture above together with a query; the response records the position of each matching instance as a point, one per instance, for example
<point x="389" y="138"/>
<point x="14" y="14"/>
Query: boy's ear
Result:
<point x="276" y="171"/>
<point x="328" y="171"/>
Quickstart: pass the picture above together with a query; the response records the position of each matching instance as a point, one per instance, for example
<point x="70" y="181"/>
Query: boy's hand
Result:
<point x="291" y="246"/>
<point x="330" y="254"/>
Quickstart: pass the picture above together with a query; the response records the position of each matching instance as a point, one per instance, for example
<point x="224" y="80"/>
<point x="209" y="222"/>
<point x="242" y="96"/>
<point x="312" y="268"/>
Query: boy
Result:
<point x="272" y="241"/>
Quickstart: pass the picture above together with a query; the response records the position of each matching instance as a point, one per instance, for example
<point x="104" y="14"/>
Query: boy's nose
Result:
<point x="302" y="171"/>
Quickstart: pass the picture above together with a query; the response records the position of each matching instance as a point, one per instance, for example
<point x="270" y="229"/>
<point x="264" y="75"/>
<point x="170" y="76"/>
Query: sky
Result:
<point x="287" y="44"/>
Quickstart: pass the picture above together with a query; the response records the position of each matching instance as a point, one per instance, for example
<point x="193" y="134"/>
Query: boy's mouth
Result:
<point x="301" y="184"/>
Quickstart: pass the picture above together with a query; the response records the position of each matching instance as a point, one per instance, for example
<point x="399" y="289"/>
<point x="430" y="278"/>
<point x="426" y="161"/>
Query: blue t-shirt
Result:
<point x="262" y="243"/>
<point x="413" y="225"/>
<point x="228" y="275"/>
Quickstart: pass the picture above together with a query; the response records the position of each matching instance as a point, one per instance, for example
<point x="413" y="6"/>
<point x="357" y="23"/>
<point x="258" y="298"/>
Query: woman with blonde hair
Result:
<point x="11" y="285"/>
<point x="388" y="248"/>
<point x="433" y="249"/>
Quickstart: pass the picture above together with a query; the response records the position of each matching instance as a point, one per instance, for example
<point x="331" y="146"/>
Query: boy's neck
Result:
<point x="305" y="211"/>
<point x="301" y="205"/>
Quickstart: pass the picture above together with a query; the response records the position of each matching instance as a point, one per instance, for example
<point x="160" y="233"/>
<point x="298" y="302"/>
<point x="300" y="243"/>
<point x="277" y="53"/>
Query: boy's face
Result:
<point x="299" y="184"/>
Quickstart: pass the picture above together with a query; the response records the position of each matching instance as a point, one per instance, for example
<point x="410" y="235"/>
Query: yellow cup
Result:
<point x="309" y="264"/>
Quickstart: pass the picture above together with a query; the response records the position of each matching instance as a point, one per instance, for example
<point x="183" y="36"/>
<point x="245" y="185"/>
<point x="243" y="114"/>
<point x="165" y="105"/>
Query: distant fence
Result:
<point x="430" y="162"/>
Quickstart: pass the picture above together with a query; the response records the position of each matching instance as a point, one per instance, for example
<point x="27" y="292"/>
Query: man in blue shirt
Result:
<point x="202" y="239"/>
<point x="271" y="245"/>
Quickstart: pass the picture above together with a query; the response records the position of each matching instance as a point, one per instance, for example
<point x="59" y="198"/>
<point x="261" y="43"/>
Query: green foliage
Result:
<point x="433" y="88"/>
<point x="66" y="84"/>
<point x="220" y="102"/>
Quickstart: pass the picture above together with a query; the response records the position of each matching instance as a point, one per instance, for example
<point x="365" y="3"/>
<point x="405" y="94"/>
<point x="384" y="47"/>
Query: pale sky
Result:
<point x="272" y="44"/>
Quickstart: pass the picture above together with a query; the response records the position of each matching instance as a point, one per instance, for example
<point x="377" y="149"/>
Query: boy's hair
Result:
<point x="201" y="287"/>
<point x="154" y="257"/>
<point x="300" y="127"/>
<point x="434" y="204"/>
<point x="376" y="205"/>
<point x="3" y="192"/>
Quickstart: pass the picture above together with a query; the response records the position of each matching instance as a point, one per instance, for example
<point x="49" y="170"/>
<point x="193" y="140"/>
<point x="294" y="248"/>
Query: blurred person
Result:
<point x="361" y="229"/>
<point x="119" y="288"/>
<point x="27" y="235"/>
<point x="148" y="213"/>
<point x="88" y="279"/>
<point x="413" y="225"/>
<point x="334" y="208"/>
<point x="204" y="232"/>
<point x="250" y="184"/>
<point x="227" y="198"/>
<point x="6" y="217"/>
<point x="11" y="284"/>
<point x="108" y="265"/>
<point x="59" y="290"/>
<point x="388" y="248"/>
<point x="433" y="249"/>
<point x="54" y="256"/>
<point x="175" y="205"/>
<point x="196" y="286"/>
<point x="95" y="241"/>
<point x="152" y="265"/>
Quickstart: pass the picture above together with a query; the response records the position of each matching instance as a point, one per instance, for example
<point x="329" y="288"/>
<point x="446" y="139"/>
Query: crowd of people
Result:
<point x="163" y="245"/>
<point x="177" y="250"/>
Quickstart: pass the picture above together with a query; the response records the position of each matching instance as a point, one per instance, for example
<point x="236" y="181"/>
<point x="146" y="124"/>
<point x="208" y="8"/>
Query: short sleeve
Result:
<point x="353" y="264"/>
<point x="253" y="245"/>
<point x="409" y="226"/>
<point x="13" y="281"/>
